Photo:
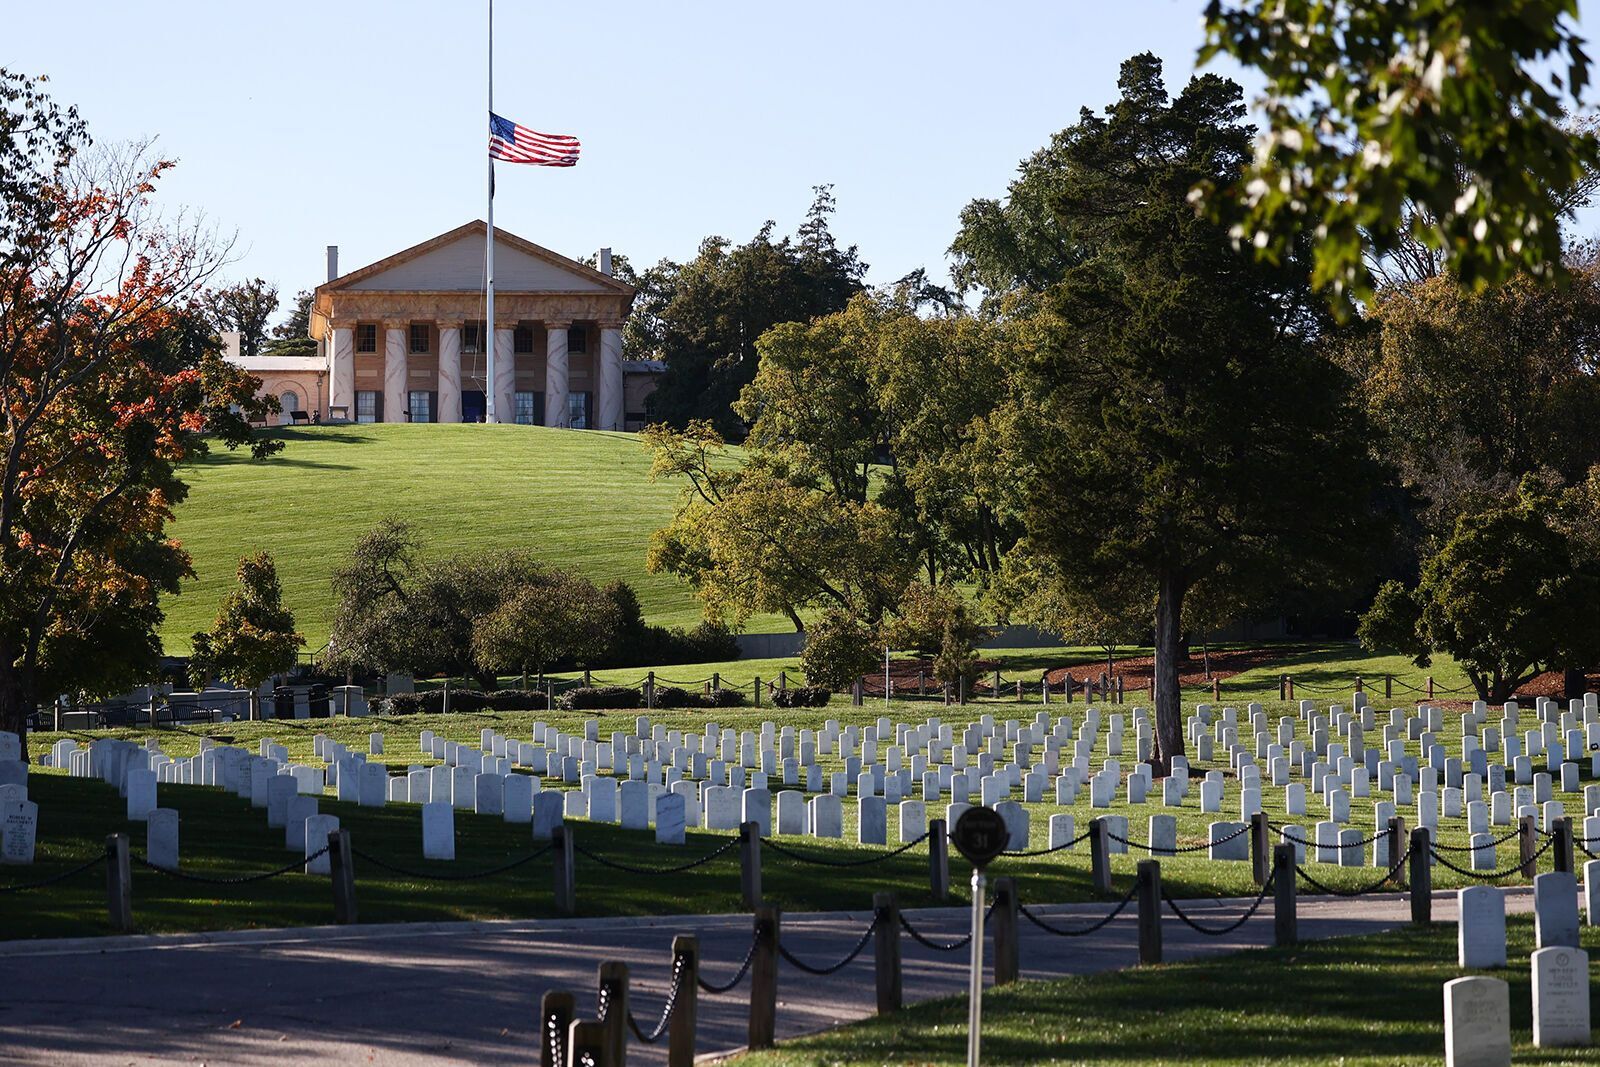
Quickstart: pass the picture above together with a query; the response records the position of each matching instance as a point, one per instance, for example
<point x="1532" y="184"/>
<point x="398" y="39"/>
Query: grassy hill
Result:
<point x="578" y="500"/>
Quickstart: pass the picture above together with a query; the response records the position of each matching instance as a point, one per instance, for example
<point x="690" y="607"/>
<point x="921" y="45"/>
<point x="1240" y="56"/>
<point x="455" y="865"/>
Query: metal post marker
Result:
<point x="980" y="835"/>
<point x="975" y="974"/>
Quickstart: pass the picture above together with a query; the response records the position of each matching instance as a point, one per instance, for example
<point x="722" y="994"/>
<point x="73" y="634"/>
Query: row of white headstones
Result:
<point x="708" y="770"/>
<point x="1477" y="1008"/>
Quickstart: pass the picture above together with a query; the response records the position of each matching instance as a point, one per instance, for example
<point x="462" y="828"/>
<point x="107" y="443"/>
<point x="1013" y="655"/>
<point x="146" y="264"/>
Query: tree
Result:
<point x="1107" y="617"/>
<point x="1472" y="391"/>
<point x="937" y="621"/>
<point x="111" y="380"/>
<point x="707" y="314"/>
<point x="1507" y="595"/>
<point x="1397" y="123"/>
<point x="1189" y="417"/>
<point x="561" y="618"/>
<point x="253" y="637"/>
<point x="244" y="307"/>
<point x="298" y="325"/>
<point x="750" y="542"/>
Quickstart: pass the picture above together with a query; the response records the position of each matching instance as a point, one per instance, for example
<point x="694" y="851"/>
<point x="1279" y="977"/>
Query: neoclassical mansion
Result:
<point x="402" y="340"/>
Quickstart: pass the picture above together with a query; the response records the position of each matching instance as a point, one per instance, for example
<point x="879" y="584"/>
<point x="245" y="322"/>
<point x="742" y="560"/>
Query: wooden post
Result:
<point x="444" y="701"/>
<point x="650" y="690"/>
<point x="1421" y="877"/>
<point x="588" y="682"/>
<point x="1359" y="687"/>
<point x="1044" y="687"/>
<point x="938" y="860"/>
<point x="555" y="1018"/>
<point x="614" y="1027"/>
<point x="565" y="876"/>
<point x="1216" y="690"/>
<point x="586" y="1044"/>
<point x="1019" y="690"/>
<point x="750" y="864"/>
<point x="1291" y="687"/>
<point x="886" y="952"/>
<point x="1397" y="840"/>
<point x="922" y="682"/>
<point x="764" y="980"/>
<point x="1119" y="689"/>
<point x="1149" y="911"/>
<point x="1285" y="923"/>
<point x="997" y="685"/>
<point x="550" y="702"/>
<point x="1430" y="687"/>
<point x="119" y="884"/>
<point x="1260" y="847"/>
<point x="1388" y="687"/>
<point x="783" y="680"/>
<point x="856" y="695"/>
<point x="1525" y="842"/>
<point x="1283" y="687"/>
<point x="1561" y="844"/>
<point x="341" y="866"/>
<point x="1004" y="924"/>
<point x="758" y="690"/>
<point x="680" y="1028"/>
<point x="1099" y="857"/>
<point x="716" y="681"/>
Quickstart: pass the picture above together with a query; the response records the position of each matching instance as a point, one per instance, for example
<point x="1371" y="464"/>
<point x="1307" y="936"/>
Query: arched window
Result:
<point x="288" y="400"/>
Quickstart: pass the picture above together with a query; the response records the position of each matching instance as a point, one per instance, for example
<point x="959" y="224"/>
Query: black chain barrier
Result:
<point x="1220" y="931"/>
<point x="1493" y="876"/>
<point x="1363" y="843"/>
<point x="823" y="972"/>
<point x="1364" y="890"/>
<point x="1053" y="848"/>
<point x="666" y="1012"/>
<point x="184" y="876"/>
<point x="927" y="942"/>
<point x="1473" y="848"/>
<point x="1175" y="850"/>
<point x="618" y="865"/>
<point x="818" y="860"/>
<point x="744" y="968"/>
<point x="53" y="879"/>
<point x="1091" y="928"/>
<point x="430" y="876"/>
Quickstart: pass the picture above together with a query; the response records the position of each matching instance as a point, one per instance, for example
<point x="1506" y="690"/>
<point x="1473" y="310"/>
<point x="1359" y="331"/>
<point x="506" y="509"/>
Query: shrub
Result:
<point x="839" y="649"/>
<point x="598" y="697"/>
<point x="804" y="696"/>
<point x="671" y="696"/>
<point x="462" y="700"/>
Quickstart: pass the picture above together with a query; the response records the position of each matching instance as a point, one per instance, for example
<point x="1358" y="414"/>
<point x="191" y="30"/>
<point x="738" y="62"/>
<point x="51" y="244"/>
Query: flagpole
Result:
<point x="488" y="340"/>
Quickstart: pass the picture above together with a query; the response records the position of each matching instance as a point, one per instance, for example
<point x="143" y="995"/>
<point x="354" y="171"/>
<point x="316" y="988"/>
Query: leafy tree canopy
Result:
<point x="253" y="637"/>
<point x="1398" y="123"/>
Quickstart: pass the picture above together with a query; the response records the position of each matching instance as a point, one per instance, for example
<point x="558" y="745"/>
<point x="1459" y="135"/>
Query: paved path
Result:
<point x="468" y="992"/>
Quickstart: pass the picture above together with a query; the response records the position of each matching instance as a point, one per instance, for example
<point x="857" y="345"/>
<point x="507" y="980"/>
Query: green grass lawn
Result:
<point x="579" y="500"/>
<point x="221" y="834"/>
<point x="1375" y="1001"/>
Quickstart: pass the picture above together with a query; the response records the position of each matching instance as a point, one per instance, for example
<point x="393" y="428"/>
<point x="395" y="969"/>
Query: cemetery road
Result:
<point x="469" y="992"/>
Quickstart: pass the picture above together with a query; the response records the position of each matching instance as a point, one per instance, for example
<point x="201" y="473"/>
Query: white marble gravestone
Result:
<point x="19" y="831"/>
<point x="1477" y="1022"/>
<point x="1555" y="909"/>
<point x="161" y="838"/>
<point x="1560" y="997"/>
<point x="317" y="829"/>
<point x="438" y="831"/>
<point x="1481" y="928"/>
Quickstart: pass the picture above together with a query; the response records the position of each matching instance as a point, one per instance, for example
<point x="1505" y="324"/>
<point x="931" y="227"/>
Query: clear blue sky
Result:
<point x="362" y="123"/>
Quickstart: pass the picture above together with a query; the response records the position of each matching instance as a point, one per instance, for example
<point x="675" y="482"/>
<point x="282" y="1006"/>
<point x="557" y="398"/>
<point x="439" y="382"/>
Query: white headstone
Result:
<point x="1560" y="997"/>
<point x="438" y="831"/>
<point x="19" y="831"/>
<point x="161" y="837"/>
<point x="317" y="829"/>
<point x="1555" y="909"/>
<point x="141" y="794"/>
<point x="1481" y="927"/>
<point x="669" y="819"/>
<point x="1477" y="1022"/>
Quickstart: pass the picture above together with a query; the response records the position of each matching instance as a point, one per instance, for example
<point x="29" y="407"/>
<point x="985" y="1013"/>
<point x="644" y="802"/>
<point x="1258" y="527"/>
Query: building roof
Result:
<point x="453" y="262"/>
<point x="279" y="364"/>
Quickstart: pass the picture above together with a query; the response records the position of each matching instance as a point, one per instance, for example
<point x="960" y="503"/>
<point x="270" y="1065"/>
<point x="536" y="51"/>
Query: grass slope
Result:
<point x="579" y="500"/>
<point x="1373" y="1001"/>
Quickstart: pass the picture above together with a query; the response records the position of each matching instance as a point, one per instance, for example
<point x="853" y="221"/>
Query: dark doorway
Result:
<point x="473" y="406"/>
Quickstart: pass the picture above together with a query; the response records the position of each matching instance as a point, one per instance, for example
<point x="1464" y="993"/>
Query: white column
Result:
<point x="505" y="376"/>
<point x="394" y="374"/>
<point x="609" y="404"/>
<point x="555" y="374"/>
<point x="342" y="375"/>
<point x="449" y="375"/>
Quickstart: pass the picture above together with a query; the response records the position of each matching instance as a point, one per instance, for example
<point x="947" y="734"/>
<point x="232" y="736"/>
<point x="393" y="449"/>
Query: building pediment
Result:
<point x="453" y="262"/>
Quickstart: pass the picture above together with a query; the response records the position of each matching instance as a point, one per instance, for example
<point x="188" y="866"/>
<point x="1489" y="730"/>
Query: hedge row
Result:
<point x="802" y="696"/>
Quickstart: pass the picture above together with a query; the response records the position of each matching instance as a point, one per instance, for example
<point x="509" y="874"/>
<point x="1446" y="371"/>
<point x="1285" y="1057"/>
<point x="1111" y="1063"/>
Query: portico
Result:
<point x="404" y="337"/>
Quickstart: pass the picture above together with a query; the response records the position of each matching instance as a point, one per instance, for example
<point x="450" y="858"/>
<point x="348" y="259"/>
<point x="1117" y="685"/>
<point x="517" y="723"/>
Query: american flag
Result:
<point x="518" y="144"/>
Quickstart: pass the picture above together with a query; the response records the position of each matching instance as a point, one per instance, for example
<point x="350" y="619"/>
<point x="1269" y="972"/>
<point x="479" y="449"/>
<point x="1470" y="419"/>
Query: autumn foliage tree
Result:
<point x="109" y="379"/>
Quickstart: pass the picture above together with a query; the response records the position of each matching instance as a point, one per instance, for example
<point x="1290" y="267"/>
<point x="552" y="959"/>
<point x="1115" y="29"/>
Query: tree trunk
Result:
<point x="17" y="697"/>
<point x="1574" y="681"/>
<point x="1168" y="700"/>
